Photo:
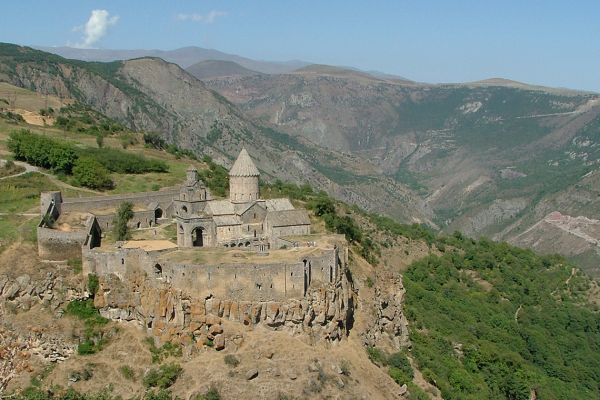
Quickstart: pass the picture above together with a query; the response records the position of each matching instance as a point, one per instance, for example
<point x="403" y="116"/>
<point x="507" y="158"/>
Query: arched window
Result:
<point x="158" y="272"/>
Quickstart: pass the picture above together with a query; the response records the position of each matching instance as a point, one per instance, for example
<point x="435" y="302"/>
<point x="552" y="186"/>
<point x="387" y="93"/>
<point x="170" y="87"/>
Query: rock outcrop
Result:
<point x="170" y="314"/>
<point x="389" y="326"/>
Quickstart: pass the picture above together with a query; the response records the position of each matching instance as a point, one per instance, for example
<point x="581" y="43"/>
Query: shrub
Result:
<point x="153" y="139"/>
<point x="376" y="356"/>
<point x="127" y="372"/>
<point x="400" y="361"/>
<point x="93" y="284"/>
<point x="42" y="151"/>
<point x="168" y="349"/>
<point x="163" y="376"/>
<point x="93" y="340"/>
<point x="231" y="360"/>
<point x="90" y="173"/>
<point x="211" y="394"/>
<point x="124" y="162"/>
<point x="124" y="214"/>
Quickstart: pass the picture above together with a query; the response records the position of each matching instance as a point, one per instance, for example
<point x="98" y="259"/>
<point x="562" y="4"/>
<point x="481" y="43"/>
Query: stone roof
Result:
<point x="288" y="218"/>
<point x="244" y="166"/>
<point x="278" y="205"/>
<point x="227" y="220"/>
<point x="241" y="208"/>
<point x="220" y="207"/>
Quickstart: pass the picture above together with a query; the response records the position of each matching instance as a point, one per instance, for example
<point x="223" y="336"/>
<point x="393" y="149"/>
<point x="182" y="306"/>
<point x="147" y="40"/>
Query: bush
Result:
<point x="153" y="139"/>
<point x="400" y="362"/>
<point x="215" y="177"/>
<point x="376" y="356"/>
<point x="41" y="151"/>
<point x="231" y="360"/>
<point x="93" y="340"/>
<point x="127" y="372"/>
<point x="90" y="173"/>
<point x="162" y="377"/>
<point x="124" y="162"/>
<point x="168" y="349"/>
<point x="93" y="284"/>
<point x="211" y="394"/>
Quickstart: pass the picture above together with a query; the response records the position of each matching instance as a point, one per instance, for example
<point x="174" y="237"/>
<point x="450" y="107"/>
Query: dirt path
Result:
<point x="517" y="313"/>
<point x="28" y="168"/>
<point x="57" y="182"/>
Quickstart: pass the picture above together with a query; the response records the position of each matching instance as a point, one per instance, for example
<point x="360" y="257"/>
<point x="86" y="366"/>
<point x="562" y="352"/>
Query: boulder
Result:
<point x="219" y="342"/>
<point x="251" y="374"/>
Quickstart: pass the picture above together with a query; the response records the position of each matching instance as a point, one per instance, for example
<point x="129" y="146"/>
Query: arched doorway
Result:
<point x="197" y="237"/>
<point x="158" y="213"/>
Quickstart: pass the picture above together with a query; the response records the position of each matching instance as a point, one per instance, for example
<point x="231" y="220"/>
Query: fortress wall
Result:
<point x="189" y="303"/>
<point x="256" y="282"/>
<point x="84" y="204"/>
<point x="264" y="282"/>
<point x="325" y="268"/>
<point x="58" y="245"/>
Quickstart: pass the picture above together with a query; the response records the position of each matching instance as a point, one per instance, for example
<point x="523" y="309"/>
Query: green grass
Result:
<point x="22" y="193"/>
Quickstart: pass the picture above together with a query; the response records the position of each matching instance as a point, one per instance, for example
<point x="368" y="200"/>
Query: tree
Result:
<point x="124" y="214"/>
<point x="90" y="173"/>
<point x="100" y="140"/>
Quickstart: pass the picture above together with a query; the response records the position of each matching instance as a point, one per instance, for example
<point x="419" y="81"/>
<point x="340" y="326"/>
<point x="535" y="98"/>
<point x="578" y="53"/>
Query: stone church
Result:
<point x="243" y="220"/>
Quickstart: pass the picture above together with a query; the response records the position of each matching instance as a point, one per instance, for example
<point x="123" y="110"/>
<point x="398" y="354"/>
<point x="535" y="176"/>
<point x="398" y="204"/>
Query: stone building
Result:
<point x="243" y="220"/>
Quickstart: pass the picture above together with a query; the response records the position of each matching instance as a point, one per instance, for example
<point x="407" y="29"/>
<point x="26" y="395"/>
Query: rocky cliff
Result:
<point x="173" y="315"/>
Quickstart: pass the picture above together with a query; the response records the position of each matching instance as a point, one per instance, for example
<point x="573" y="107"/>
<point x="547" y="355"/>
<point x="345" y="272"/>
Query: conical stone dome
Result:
<point x="244" y="166"/>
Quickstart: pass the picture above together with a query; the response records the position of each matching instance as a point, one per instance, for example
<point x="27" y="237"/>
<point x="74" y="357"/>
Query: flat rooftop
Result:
<point x="218" y="255"/>
<point x="149" y="245"/>
<point x="71" y="221"/>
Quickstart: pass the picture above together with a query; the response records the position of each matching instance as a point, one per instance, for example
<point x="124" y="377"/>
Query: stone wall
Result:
<point x="179" y="302"/>
<point x="140" y="219"/>
<point x="84" y="204"/>
<point x="268" y="281"/>
<point x="58" y="245"/>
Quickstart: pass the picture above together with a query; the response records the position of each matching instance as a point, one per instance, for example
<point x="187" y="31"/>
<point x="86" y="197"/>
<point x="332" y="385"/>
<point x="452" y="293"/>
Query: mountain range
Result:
<point x="493" y="158"/>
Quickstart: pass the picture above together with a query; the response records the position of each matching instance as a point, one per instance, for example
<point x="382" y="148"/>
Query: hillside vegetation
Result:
<point x="489" y="320"/>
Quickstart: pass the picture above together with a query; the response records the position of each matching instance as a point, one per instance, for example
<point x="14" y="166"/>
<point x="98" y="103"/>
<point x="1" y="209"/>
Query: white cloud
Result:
<point x="206" y="18"/>
<point x="95" y="28"/>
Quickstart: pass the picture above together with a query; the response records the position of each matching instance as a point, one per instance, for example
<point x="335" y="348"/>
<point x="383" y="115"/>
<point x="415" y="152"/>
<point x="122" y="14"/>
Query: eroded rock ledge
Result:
<point x="170" y="314"/>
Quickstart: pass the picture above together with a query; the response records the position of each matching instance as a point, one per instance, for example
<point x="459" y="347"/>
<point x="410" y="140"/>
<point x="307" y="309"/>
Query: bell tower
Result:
<point x="243" y="179"/>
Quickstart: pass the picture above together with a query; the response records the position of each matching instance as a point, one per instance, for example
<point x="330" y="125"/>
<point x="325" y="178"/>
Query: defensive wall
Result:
<point x="164" y="198"/>
<point x="189" y="303"/>
<point x="263" y="281"/>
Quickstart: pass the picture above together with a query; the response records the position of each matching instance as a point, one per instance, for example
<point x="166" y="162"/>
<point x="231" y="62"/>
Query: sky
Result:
<point x="551" y="42"/>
